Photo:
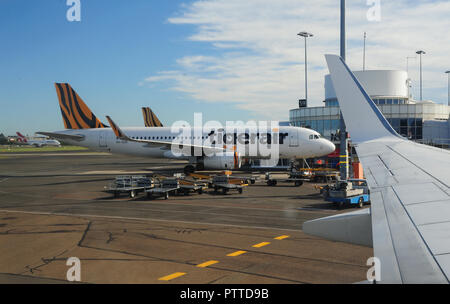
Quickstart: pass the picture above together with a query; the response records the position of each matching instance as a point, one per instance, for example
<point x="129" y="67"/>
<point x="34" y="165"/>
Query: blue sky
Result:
<point x="230" y="59"/>
<point x="104" y="57"/>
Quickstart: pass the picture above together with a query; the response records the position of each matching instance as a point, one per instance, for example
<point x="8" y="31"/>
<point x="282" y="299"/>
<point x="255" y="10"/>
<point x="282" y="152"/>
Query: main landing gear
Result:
<point x="189" y="169"/>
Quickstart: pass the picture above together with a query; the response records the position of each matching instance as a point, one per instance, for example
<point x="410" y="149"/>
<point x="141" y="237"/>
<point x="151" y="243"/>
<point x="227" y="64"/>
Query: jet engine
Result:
<point x="226" y="161"/>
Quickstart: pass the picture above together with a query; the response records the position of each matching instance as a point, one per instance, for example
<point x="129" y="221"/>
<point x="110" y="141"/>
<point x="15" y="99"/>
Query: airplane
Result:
<point x="83" y="128"/>
<point x="408" y="223"/>
<point x="37" y="142"/>
<point x="150" y="118"/>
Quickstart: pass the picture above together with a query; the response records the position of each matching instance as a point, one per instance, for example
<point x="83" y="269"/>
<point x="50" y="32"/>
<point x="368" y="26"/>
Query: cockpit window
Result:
<point x="314" y="137"/>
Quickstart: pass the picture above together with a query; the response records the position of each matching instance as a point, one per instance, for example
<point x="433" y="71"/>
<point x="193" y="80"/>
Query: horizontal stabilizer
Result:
<point x="353" y="227"/>
<point x="62" y="136"/>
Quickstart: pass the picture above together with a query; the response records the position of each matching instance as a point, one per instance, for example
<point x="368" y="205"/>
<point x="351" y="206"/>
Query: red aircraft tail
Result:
<point x="21" y="137"/>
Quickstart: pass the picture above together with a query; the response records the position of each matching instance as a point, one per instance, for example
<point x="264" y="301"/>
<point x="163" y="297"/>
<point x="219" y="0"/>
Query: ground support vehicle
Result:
<point x="164" y="189"/>
<point x="225" y="184"/>
<point x="294" y="177"/>
<point x="345" y="193"/>
<point x="130" y="184"/>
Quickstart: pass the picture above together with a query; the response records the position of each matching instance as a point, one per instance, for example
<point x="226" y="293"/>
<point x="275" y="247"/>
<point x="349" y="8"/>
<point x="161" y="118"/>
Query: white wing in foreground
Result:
<point x="409" y="182"/>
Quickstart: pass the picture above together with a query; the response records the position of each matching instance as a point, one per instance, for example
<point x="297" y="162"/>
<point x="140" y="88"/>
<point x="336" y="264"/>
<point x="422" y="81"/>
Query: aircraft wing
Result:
<point x="410" y="210"/>
<point x="409" y="183"/>
<point x="120" y="134"/>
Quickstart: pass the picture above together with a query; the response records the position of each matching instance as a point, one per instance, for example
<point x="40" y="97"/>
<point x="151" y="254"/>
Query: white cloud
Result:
<point x="258" y="63"/>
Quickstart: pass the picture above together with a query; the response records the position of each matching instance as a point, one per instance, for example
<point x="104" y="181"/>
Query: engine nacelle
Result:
<point x="226" y="161"/>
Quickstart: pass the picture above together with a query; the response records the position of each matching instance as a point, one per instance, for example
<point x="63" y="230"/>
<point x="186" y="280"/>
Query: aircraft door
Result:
<point x="102" y="140"/>
<point x="293" y="138"/>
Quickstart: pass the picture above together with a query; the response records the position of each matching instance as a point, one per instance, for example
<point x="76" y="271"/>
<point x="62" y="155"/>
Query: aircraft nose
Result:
<point x="328" y="146"/>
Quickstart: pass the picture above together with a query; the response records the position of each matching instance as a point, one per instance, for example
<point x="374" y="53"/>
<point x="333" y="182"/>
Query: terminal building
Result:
<point x="422" y="121"/>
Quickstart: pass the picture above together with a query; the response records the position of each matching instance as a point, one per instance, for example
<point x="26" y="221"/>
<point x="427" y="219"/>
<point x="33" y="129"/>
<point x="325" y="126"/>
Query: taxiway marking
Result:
<point x="261" y="244"/>
<point x="206" y="264"/>
<point x="281" y="237"/>
<point x="172" y="276"/>
<point x="236" y="253"/>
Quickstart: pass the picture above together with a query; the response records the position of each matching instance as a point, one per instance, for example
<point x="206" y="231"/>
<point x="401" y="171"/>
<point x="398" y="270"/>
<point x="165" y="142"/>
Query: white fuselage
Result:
<point x="294" y="142"/>
<point x="43" y="142"/>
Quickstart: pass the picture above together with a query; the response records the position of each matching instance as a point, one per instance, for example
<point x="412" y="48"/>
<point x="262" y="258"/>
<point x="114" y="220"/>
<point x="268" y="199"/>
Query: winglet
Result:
<point x="116" y="129"/>
<point x="362" y="117"/>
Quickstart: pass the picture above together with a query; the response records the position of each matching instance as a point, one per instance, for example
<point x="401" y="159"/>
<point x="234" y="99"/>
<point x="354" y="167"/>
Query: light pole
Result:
<point x="306" y="35"/>
<point x="343" y="147"/>
<point x="420" y="54"/>
<point x="364" y="52"/>
<point x="343" y="43"/>
<point x="448" y="87"/>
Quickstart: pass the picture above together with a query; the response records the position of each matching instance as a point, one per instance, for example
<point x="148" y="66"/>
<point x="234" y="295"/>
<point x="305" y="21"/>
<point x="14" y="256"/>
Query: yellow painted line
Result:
<point x="206" y="264"/>
<point x="281" y="237"/>
<point x="233" y="254"/>
<point x="172" y="276"/>
<point x="261" y="244"/>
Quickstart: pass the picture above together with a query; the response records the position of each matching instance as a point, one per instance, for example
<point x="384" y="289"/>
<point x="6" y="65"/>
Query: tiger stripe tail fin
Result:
<point x="75" y="113"/>
<point x="150" y="118"/>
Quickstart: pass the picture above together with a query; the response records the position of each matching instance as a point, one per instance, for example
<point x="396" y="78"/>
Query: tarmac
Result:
<point x="52" y="207"/>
